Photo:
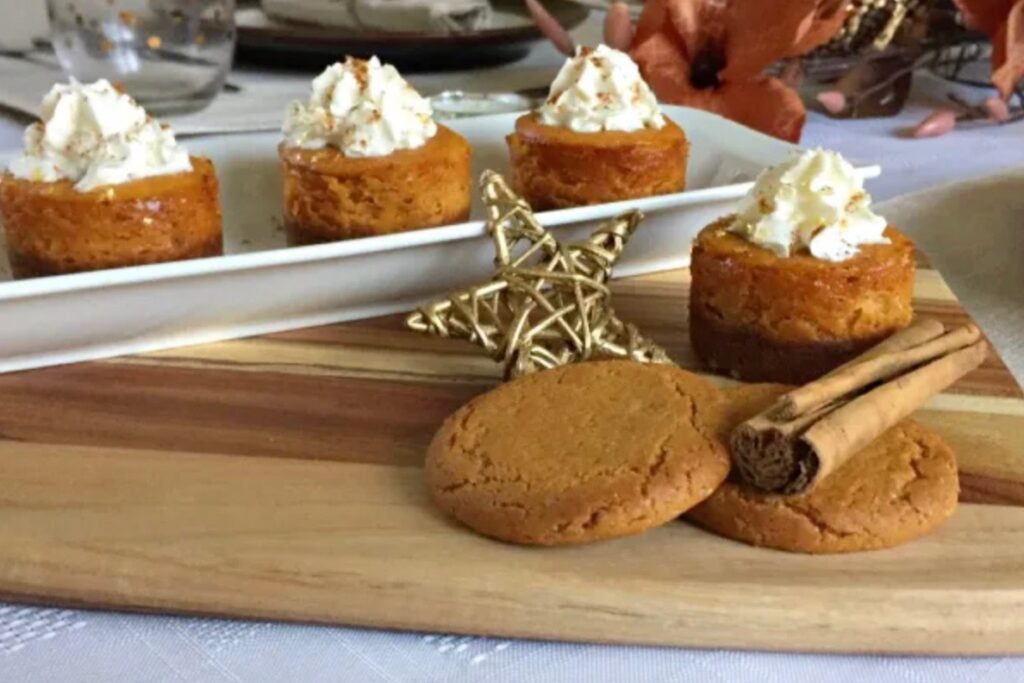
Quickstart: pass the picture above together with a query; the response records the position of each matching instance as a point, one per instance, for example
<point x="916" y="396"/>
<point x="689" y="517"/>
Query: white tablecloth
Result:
<point x="52" y="644"/>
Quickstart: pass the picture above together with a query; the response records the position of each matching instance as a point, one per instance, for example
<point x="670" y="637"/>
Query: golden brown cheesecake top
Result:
<point x="139" y="188"/>
<point x="532" y="129"/>
<point x="718" y="240"/>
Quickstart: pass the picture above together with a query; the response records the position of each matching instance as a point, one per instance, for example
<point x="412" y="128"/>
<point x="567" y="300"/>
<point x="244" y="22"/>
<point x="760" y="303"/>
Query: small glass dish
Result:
<point x="170" y="55"/>
<point x="458" y="104"/>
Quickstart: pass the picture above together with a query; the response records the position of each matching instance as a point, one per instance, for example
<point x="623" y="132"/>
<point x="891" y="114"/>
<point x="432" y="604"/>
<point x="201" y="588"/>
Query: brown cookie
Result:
<point x="579" y="453"/>
<point x="902" y="486"/>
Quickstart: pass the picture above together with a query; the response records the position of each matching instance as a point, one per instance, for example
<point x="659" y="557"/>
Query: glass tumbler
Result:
<point x="172" y="56"/>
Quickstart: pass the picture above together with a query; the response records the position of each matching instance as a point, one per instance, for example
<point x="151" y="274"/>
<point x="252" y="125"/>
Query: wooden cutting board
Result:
<point x="278" y="477"/>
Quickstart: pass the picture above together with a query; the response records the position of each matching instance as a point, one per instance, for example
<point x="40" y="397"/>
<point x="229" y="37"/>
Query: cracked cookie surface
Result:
<point x="579" y="453"/>
<point x="899" y="488"/>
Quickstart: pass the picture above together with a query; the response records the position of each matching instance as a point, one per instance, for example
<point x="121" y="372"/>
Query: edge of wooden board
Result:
<point x="331" y="547"/>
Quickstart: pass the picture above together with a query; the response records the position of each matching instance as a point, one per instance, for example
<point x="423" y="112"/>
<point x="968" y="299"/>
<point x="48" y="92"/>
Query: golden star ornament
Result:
<point x="548" y="304"/>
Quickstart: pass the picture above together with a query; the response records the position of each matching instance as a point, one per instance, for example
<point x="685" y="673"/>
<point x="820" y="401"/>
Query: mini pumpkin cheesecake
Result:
<point x="364" y="157"/>
<point x="102" y="185"/>
<point x="804" y="278"/>
<point x="599" y="137"/>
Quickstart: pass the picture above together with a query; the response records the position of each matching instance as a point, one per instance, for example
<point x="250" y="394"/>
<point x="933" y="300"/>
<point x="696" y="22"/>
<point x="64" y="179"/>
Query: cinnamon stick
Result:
<point x="876" y="367"/>
<point x="812" y="431"/>
<point x="849" y="429"/>
<point x="771" y="466"/>
<point x="921" y="331"/>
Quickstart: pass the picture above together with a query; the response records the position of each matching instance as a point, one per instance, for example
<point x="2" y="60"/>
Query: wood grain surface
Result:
<point x="278" y="477"/>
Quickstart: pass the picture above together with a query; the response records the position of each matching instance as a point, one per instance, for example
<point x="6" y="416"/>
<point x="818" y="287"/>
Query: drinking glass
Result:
<point x="170" y="55"/>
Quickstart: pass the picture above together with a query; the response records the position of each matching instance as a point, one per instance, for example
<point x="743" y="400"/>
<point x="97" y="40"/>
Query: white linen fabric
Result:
<point x="973" y="232"/>
<point x="94" y="647"/>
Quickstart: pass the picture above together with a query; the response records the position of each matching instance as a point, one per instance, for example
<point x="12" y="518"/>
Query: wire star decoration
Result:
<point x="548" y="304"/>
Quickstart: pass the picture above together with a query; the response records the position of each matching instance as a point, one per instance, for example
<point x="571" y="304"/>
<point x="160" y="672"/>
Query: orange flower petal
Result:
<point x="1008" y="52"/>
<point x="759" y="32"/>
<point x="699" y="24"/>
<point x="820" y="27"/>
<point x="651" y="20"/>
<point x="662" y="64"/>
<point x="985" y="15"/>
<point x="751" y="34"/>
<point x="765" y="104"/>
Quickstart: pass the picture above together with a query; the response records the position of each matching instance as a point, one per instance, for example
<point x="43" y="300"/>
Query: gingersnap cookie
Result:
<point x="902" y="486"/>
<point x="579" y="453"/>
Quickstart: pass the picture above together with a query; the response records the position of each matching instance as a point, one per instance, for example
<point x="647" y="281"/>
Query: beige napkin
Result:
<point x="973" y="232"/>
<point x="400" y="16"/>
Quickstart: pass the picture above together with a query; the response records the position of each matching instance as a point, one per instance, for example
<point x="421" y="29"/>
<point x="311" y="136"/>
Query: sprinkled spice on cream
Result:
<point x="362" y="108"/>
<point x="93" y="135"/>
<point x="601" y="89"/>
<point x="813" y="201"/>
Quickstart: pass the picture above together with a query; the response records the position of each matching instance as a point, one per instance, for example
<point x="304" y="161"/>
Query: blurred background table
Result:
<point x="54" y="644"/>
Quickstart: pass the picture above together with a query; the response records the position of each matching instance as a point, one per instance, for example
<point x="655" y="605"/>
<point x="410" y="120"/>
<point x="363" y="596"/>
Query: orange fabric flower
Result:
<point x="711" y="54"/>
<point x="1003" y="22"/>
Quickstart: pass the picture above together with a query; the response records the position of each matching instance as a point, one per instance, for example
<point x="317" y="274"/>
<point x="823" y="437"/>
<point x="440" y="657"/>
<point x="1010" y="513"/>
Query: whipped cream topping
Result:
<point x="813" y="201"/>
<point x="93" y="135"/>
<point x="600" y="89"/>
<point x="362" y="108"/>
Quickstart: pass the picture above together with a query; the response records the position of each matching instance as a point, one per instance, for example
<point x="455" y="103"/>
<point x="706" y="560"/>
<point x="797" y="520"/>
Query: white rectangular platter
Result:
<point x="262" y="286"/>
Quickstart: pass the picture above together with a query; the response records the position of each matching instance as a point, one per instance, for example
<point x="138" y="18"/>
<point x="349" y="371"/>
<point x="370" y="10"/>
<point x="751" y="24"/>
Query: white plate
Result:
<point x="311" y="38"/>
<point x="261" y="286"/>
